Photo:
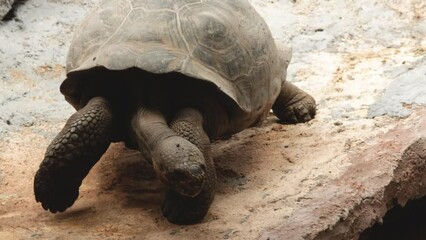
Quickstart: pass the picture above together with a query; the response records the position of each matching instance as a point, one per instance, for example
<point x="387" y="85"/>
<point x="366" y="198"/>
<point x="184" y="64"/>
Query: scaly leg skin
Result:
<point x="70" y="156"/>
<point x="178" y="208"/>
<point x="293" y="105"/>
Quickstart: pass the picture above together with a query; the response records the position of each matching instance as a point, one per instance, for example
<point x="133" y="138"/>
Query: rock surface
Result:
<point x="5" y="7"/>
<point x="390" y="171"/>
<point x="406" y="90"/>
<point x="8" y="8"/>
<point x="364" y="62"/>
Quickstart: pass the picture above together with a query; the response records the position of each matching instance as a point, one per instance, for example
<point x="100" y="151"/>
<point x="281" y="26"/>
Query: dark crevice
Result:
<point x="407" y="222"/>
<point x="12" y="12"/>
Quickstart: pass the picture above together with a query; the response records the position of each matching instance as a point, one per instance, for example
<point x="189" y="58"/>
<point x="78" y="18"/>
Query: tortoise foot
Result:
<point x="53" y="189"/>
<point x="183" y="210"/>
<point x="298" y="112"/>
<point x="293" y="105"/>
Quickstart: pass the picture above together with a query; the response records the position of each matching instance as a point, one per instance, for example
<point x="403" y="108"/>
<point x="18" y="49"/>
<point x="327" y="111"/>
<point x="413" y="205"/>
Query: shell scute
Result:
<point x="223" y="42"/>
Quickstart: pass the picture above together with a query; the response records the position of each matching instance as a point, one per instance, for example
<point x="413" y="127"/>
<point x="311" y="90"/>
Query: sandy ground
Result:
<point x="359" y="59"/>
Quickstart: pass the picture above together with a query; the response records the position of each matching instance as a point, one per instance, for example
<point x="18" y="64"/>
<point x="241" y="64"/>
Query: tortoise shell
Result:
<point x="224" y="42"/>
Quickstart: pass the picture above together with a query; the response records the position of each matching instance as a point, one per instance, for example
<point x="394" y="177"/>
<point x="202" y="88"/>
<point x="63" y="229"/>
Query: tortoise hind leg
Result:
<point x="294" y="105"/>
<point x="70" y="156"/>
<point x="178" y="208"/>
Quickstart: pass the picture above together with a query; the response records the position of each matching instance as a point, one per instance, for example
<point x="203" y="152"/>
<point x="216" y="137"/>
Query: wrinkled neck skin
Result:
<point x="131" y="92"/>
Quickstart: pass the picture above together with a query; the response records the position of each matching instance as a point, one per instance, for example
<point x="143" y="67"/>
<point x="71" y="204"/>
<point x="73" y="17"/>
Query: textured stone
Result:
<point x="5" y="7"/>
<point x="408" y="89"/>
<point x="392" y="170"/>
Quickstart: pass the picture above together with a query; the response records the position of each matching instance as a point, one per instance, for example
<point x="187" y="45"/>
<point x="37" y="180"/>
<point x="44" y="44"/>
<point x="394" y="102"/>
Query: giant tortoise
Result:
<point x="167" y="77"/>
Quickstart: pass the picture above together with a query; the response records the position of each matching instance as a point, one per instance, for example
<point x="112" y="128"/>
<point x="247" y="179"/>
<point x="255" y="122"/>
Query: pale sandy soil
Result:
<point x="345" y="53"/>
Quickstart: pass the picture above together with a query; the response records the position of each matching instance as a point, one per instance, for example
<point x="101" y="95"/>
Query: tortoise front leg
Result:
<point x="182" y="209"/>
<point x="294" y="105"/>
<point x="72" y="153"/>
